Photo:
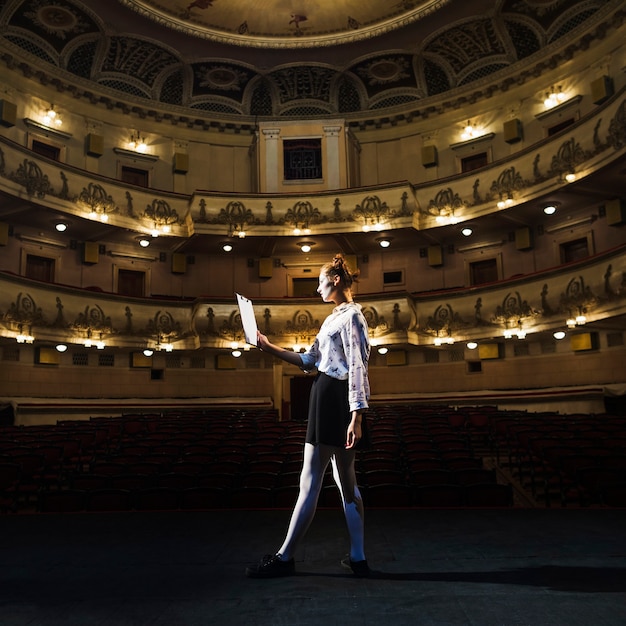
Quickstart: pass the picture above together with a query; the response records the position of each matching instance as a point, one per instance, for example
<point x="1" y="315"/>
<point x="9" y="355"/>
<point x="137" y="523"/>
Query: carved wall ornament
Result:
<point x="513" y="309"/>
<point x="302" y="215"/>
<point x="508" y="182"/>
<point x="617" y="128"/>
<point x="371" y="211"/>
<point x="444" y="320"/>
<point x="236" y="216"/>
<point x="24" y="311"/>
<point x="93" y="318"/>
<point x="29" y="175"/>
<point x="302" y="323"/>
<point x="577" y="296"/>
<point x="569" y="155"/>
<point x="164" y="326"/>
<point x="161" y="213"/>
<point x="232" y="327"/>
<point x="444" y="203"/>
<point x="376" y="323"/>
<point x="97" y="199"/>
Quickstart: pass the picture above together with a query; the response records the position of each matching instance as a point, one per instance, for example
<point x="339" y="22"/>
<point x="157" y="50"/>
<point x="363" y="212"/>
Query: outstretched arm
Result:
<point x="265" y="345"/>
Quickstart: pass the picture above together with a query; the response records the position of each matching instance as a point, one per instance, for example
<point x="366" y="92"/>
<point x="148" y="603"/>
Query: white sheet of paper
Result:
<point x="247" y="319"/>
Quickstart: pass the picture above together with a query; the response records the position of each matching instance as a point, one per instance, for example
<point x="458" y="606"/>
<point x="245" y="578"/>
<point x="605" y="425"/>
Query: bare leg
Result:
<point x="316" y="459"/>
<point x="345" y="477"/>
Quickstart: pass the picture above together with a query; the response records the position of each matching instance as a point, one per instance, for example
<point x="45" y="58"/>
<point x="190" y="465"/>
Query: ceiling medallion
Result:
<point x="275" y="24"/>
<point x="53" y="18"/>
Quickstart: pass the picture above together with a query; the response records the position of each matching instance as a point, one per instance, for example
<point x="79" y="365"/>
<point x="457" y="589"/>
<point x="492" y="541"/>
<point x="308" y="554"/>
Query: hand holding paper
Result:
<point x="247" y="319"/>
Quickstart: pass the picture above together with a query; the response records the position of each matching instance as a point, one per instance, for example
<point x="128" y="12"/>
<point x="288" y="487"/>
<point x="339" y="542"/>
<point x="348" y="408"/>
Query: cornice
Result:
<point x="532" y="68"/>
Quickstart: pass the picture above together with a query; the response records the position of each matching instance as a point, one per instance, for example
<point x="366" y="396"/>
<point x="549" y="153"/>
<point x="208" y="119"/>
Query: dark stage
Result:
<point x="455" y="566"/>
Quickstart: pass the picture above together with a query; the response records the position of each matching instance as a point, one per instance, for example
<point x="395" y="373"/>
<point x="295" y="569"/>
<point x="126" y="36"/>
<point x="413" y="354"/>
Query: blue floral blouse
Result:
<point x="341" y="350"/>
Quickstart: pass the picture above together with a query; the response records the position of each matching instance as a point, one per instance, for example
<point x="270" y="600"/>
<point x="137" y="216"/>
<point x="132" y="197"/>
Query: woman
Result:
<point x="339" y="396"/>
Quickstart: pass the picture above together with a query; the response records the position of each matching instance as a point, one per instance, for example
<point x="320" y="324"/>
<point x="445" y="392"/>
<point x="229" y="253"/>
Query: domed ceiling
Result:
<point x="285" y="23"/>
<point x="393" y="53"/>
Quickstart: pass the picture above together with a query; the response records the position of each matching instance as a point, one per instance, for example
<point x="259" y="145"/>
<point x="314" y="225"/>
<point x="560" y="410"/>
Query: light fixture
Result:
<point x="144" y="243"/>
<point x="61" y="226"/>
<point x="137" y="142"/>
<point x="467" y="231"/>
<point x="61" y="347"/>
<point x="471" y="345"/>
<point x="520" y="333"/>
<point x="470" y="132"/>
<point x="227" y="247"/>
<point x="148" y="352"/>
<point x="51" y="117"/>
<point x="439" y="341"/>
<point x="384" y="242"/>
<point x="306" y="246"/>
<point x="236" y="353"/>
<point x="100" y="345"/>
<point x="506" y="202"/>
<point x="383" y="350"/>
<point x="570" y="177"/>
<point x="23" y="337"/>
<point x="554" y="97"/>
<point x="577" y="320"/>
<point x="550" y="209"/>
<point x="559" y="334"/>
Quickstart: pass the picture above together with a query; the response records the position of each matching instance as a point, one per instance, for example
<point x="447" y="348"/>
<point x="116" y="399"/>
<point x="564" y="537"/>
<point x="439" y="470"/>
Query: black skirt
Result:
<point x="329" y="413"/>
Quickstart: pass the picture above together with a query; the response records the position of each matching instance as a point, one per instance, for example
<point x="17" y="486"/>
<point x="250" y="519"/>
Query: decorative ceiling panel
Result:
<point x="285" y="23"/>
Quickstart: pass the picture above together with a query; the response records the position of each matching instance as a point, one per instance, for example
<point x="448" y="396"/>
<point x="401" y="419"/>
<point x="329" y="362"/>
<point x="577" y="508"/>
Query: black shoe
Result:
<point x="359" y="568"/>
<point x="271" y="566"/>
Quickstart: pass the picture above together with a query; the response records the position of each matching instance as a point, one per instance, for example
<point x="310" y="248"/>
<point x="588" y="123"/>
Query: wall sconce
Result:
<point x="554" y="97"/>
<point x="383" y="350"/>
<point x="144" y="242"/>
<point x="550" y="209"/>
<point x="51" y="117"/>
<point x="90" y="343"/>
<point x="578" y="320"/>
<point x="471" y="345"/>
<point x="467" y="231"/>
<point x="306" y="246"/>
<point x="22" y="337"/>
<point x="61" y="347"/>
<point x="570" y="177"/>
<point x="470" y="132"/>
<point x="439" y="341"/>
<point x="559" y="334"/>
<point x="507" y="202"/>
<point x="148" y="352"/>
<point x="301" y="231"/>
<point x="227" y="247"/>
<point x="61" y="227"/>
<point x="375" y="226"/>
<point x="384" y="242"/>
<point x="137" y="143"/>
<point x="520" y="333"/>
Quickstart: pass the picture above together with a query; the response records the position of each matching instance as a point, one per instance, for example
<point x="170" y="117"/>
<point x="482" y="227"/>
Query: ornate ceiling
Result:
<point x="285" y="23"/>
<point x="395" y="55"/>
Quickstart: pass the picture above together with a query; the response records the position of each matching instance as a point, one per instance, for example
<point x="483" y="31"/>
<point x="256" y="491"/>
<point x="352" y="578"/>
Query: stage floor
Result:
<point x="481" y="567"/>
